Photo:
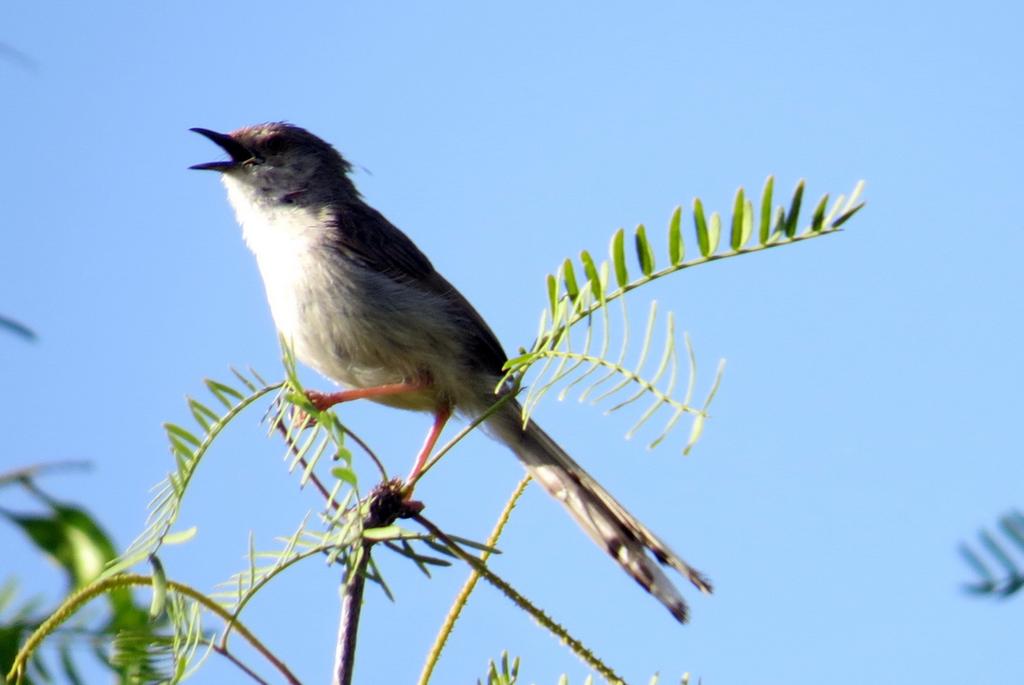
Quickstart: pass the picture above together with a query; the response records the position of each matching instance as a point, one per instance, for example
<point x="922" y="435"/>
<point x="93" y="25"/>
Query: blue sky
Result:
<point x="865" y="424"/>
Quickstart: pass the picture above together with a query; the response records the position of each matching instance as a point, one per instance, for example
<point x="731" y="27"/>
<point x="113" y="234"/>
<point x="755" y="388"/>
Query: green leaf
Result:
<point x="591" y="271"/>
<point x="422" y="560"/>
<point x="518" y="361"/>
<point x="676" y="246"/>
<point x="72" y="538"/>
<point x="748" y="222"/>
<point x="794" y="210"/>
<point x="644" y="253"/>
<point x="818" y="218"/>
<point x="156" y="606"/>
<point x="384" y="533"/>
<point x="182" y="433"/>
<point x="552" y="294"/>
<point x="844" y="217"/>
<point x="222" y="392"/>
<point x="714" y="233"/>
<point x="696" y="428"/>
<point x="245" y="381"/>
<point x="736" y="234"/>
<point x="347" y="475"/>
<point x="618" y="253"/>
<point x="701" y="226"/>
<point x="571" y="288"/>
<point x="203" y="415"/>
<point x="181" y="451"/>
<point x="766" y="210"/>
<point x="181" y="536"/>
<point x="475" y="545"/>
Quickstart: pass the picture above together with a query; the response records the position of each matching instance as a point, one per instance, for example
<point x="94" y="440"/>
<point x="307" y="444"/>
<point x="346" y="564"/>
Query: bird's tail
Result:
<point x="605" y="520"/>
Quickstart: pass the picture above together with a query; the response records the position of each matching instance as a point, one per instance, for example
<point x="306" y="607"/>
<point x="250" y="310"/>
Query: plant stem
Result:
<point x="522" y="602"/>
<point x="83" y="596"/>
<point x="467" y="588"/>
<point x="348" y="626"/>
<point x="238" y="662"/>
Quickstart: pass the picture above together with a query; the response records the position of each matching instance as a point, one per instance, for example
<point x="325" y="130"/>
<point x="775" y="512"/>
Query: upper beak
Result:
<point x="239" y="153"/>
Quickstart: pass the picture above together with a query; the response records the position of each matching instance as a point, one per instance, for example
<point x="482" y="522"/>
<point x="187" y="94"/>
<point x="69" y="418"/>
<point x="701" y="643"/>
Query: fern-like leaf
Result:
<point x="263" y="566"/>
<point x="188" y="450"/>
<point x="556" y="358"/>
<point x="504" y="672"/>
<point x="1005" y="550"/>
<point x="165" y="659"/>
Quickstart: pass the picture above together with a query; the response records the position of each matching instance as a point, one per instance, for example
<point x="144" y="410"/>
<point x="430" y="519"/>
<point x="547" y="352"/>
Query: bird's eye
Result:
<point x="275" y="145"/>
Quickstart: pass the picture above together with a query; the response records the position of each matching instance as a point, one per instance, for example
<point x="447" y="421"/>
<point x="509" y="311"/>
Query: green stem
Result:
<point x="544" y="340"/>
<point x="536" y="612"/>
<point x="86" y="594"/>
<point x="467" y="588"/>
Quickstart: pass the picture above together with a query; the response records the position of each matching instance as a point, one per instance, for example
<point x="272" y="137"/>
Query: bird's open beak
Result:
<point x="239" y="153"/>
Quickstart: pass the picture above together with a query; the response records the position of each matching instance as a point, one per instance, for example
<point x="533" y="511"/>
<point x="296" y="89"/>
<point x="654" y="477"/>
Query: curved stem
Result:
<point x="232" y="620"/>
<point x="86" y="594"/>
<point x="467" y="588"/>
<point x="366" y="448"/>
<point x="585" y="312"/>
<point x="536" y="612"/>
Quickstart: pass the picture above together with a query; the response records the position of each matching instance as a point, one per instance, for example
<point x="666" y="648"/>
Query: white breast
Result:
<point x="283" y="238"/>
<point x="354" y="325"/>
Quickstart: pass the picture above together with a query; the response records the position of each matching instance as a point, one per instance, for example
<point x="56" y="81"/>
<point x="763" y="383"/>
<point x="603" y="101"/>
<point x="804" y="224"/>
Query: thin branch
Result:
<point x="324" y="492"/>
<point x="312" y="476"/>
<point x="538" y="614"/>
<point x="585" y="312"/>
<point x="366" y="448"/>
<point x="351" y="608"/>
<point x="78" y="599"/>
<point x="239" y="663"/>
<point x="386" y="503"/>
<point x="467" y="588"/>
<point x="257" y="585"/>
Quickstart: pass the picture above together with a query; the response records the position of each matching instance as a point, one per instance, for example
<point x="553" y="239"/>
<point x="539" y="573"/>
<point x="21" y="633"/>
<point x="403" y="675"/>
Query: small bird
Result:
<point x="361" y="304"/>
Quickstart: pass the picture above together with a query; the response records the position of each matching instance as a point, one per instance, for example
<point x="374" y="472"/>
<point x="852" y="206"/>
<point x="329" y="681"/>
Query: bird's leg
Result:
<point x="325" y="400"/>
<point x="441" y="416"/>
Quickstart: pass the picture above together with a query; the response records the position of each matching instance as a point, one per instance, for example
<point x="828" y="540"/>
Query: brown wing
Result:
<point x="364" y="235"/>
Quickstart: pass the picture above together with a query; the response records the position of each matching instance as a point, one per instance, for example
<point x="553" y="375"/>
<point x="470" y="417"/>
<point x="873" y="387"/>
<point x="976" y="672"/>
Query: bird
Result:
<point x="362" y="305"/>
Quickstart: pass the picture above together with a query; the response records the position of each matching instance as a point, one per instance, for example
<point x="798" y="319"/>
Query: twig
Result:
<point x="348" y="626"/>
<point x="467" y="588"/>
<point x="366" y="448"/>
<point x="78" y="599"/>
<point x="385" y="505"/>
<point x="312" y="476"/>
<point x="305" y="465"/>
<point x="238" y="662"/>
<point x="536" y="612"/>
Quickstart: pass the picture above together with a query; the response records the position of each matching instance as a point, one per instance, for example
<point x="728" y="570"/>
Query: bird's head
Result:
<point x="278" y="162"/>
